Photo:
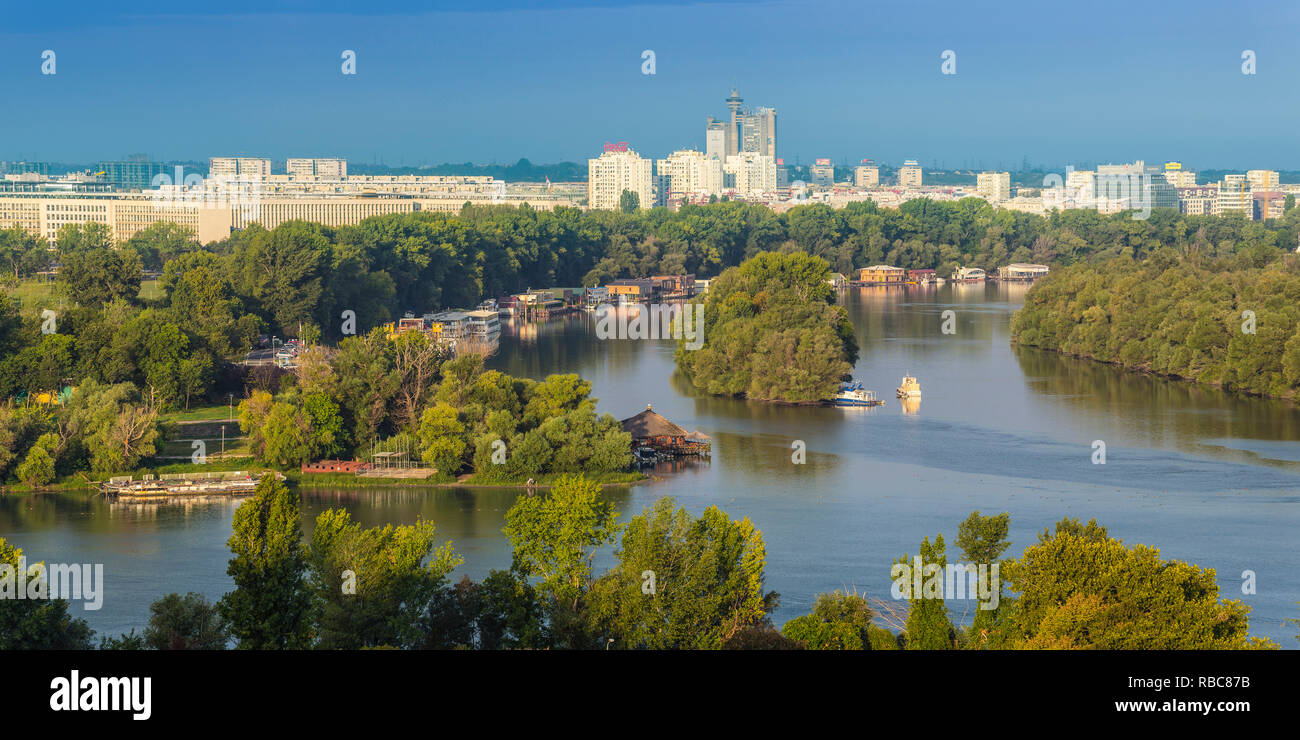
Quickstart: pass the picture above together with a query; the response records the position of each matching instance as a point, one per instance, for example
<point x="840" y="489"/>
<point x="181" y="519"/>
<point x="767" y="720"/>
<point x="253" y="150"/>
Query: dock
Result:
<point x="169" y="485"/>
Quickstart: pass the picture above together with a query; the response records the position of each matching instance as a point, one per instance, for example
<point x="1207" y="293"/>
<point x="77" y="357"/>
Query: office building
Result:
<point x="822" y="173"/>
<point x="909" y="175"/>
<point x="866" y="175"/>
<point x="744" y="131"/>
<point x="134" y="173"/>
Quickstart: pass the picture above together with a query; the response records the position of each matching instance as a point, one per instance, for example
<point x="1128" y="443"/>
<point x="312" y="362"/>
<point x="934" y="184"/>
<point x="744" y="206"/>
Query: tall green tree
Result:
<point x="683" y="582"/>
<point x="269" y="609"/>
<point x="375" y="587"/>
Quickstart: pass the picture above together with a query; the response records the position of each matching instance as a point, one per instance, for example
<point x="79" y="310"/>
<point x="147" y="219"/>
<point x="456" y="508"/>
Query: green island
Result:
<point x="1231" y="322"/>
<point x="773" y="332"/>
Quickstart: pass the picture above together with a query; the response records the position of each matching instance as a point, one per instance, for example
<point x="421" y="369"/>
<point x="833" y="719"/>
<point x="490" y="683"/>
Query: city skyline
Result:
<point x="561" y="83"/>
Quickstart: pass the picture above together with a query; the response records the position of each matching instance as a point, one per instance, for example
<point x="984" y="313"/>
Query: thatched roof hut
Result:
<point x="648" y="425"/>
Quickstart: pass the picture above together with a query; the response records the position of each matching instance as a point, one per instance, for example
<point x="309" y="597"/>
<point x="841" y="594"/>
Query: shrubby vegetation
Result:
<point x="1075" y="588"/>
<point x="772" y="332"/>
<point x="1177" y="315"/>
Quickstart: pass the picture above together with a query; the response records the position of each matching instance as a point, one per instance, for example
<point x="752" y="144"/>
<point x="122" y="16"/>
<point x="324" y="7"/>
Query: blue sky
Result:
<point x="497" y="80"/>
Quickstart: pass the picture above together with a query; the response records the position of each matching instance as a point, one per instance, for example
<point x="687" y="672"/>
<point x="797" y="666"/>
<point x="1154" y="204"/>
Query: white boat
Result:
<point x="853" y="394"/>
<point x="910" y="388"/>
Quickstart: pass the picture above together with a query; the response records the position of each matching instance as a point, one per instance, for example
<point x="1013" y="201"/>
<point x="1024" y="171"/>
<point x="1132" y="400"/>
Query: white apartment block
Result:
<point x="1262" y="181"/>
<point x="242" y="167"/>
<point x="324" y="169"/>
<point x="753" y="173"/>
<point x="619" y="169"/>
<point x="1181" y="178"/>
<point x="909" y="175"/>
<point x="995" y="187"/>
<point x="688" y="172"/>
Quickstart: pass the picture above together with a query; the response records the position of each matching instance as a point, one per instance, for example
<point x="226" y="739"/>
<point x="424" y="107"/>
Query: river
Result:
<point x="1208" y="477"/>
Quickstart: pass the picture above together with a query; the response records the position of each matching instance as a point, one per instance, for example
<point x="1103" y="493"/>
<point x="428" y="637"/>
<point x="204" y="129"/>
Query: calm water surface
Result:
<point x="1207" y="477"/>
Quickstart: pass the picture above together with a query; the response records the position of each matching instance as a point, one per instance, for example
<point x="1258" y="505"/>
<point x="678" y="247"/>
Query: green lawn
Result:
<point x="32" y="292"/>
<point x="220" y="412"/>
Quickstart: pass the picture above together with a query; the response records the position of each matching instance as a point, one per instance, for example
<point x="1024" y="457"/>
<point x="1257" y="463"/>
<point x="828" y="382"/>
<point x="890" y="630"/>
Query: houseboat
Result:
<point x="910" y="388"/>
<point x="853" y="394"/>
<point x="483" y="324"/>
<point x="968" y="275"/>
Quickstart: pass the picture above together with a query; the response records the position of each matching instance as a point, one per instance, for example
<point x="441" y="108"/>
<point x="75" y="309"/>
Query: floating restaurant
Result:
<point x="653" y="434"/>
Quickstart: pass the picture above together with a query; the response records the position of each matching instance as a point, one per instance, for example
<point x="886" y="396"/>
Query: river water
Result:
<point x="1208" y="477"/>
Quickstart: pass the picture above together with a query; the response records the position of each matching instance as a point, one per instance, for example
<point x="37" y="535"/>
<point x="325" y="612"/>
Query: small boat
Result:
<point x="853" y="394"/>
<point x="910" y="388"/>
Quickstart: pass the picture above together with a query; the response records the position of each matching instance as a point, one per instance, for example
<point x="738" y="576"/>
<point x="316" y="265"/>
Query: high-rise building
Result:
<point x="242" y="167"/>
<point x="752" y="173"/>
<point x="717" y="139"/>
<point x="909" y="175"/>
<point x="822" y="173"/>
<point x="745" y="131"/>
<point x="325" y="169"/>
<point x="617" y="169"/>
<point x="995" y="187"/>
<point x="866" y="175"/>
<point x="688" y="172"/>
<point x="1234" y="197"/>
<point x="757" y="130"/>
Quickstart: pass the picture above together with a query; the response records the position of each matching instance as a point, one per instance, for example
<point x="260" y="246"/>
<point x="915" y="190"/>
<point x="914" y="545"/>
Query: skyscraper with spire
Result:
<point x="746" y="131"/>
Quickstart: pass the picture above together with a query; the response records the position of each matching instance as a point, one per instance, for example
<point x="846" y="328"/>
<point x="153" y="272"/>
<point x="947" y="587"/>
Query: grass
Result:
<point x="220" y="412"/>
<point x="31" y="292"/>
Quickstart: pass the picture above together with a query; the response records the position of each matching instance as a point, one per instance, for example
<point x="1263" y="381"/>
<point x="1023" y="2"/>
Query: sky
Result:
<point x="497" y="80"/>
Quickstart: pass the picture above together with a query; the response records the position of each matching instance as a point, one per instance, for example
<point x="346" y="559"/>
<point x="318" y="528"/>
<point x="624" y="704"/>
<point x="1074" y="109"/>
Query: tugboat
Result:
<point x="852" y="394"/>
<point x="910" y="388"/>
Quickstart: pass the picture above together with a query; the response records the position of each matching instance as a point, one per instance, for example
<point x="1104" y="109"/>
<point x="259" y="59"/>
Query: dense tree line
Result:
<point x="772" y="332"/>
<point x="300" y="273"/>
<point x="1232" y="322"/>
<point x="679" y="581"/>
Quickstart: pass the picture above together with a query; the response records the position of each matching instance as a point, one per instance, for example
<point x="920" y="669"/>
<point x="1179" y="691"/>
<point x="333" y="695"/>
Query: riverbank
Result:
<point x="81" y="481"/>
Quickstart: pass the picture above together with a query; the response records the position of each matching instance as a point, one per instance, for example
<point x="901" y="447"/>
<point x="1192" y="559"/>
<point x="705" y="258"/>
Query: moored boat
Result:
<point x="910" y="388"/>
<point x="853" y="394"/>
